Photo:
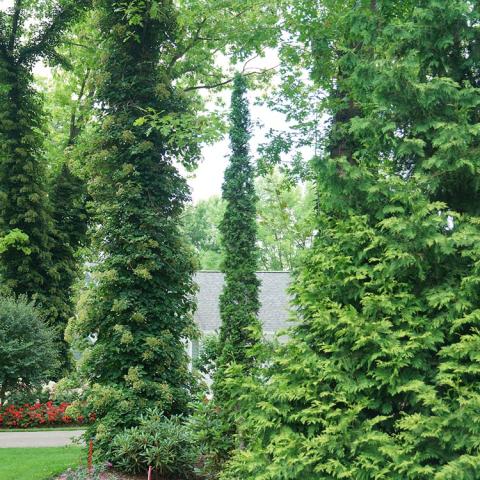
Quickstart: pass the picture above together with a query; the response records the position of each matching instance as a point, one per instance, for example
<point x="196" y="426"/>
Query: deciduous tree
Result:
<point x="27" y="347"/>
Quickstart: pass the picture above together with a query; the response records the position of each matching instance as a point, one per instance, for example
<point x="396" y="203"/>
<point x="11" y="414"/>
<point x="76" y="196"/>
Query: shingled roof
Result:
<point x="274" y="301"/>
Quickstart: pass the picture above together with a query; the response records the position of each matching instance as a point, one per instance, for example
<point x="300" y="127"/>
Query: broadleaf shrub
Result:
<point x="28" y="354"/>
<point x="165" y="443"/>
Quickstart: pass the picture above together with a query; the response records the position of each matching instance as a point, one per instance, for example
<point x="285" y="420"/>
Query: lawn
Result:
<point x="37" y="463"/>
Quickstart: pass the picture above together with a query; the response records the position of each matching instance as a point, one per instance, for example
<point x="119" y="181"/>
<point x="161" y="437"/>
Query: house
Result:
<point x="274" y="300"/>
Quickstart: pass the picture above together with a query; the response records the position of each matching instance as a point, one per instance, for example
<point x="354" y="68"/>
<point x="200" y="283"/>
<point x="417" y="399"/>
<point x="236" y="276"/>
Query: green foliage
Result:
<point x="27" y="347"/>
<point x="381" y="376"/>
<point x="29" y="31"/>
<point x="14" y="238"/>
<point x="28" y="394"/>
<point x="201" y="225"/>
<point x="239" y="301"/>
<point x="68" y="94"/>
<point x="96" y="472"/>
<point x="164" y="443"/>
<point x="139" y="303"/>
<point x="212" y="433"/>
<point x="70" y="217"/>
<point x="284" y="224"/>
<point x="285" y="221"/>
<point x="239" y="29"/>
<point x="24" y="204"/>
<point x="210" y="350"/>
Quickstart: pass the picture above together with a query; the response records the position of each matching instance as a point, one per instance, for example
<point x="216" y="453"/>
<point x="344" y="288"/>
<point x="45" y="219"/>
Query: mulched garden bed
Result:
<point x="110" y="475"/>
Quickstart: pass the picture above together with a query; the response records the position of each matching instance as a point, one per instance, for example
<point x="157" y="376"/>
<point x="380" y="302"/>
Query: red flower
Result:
<point x="39" y="414"/>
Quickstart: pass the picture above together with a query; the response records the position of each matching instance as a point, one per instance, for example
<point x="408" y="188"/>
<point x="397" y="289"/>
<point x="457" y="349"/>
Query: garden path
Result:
<point x="53" y="438"/>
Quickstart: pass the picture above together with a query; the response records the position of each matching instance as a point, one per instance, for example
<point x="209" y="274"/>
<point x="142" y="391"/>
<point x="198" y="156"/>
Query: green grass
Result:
<point x="38" y="463"/>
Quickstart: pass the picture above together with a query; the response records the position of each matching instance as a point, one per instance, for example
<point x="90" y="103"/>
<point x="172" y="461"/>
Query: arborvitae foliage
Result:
<point x="140" y="300"/>
<point x="23" y="197"/>
<point x="239" y="301"/>
<point x="70" y="217"/>
<point x="381" y="379"/>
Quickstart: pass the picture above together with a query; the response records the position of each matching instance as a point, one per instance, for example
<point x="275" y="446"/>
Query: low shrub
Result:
<point x="164" y="443"/>
<point x="39" y="415"/>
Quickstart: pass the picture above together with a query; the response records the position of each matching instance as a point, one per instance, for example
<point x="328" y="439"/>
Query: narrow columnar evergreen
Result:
<point x="240" y="330"/>
<point x="140" y="300"/>
<point x="381" y="378"/>
<point x="24" y="202"/>
<point x="239" y="301"/>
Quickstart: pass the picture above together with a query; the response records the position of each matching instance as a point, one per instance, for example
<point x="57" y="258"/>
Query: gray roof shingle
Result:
<point x="274" y="299"/>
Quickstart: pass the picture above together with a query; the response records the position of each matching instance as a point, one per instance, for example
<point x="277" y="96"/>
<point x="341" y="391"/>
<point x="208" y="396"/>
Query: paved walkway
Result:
<point x="54" y="438"/>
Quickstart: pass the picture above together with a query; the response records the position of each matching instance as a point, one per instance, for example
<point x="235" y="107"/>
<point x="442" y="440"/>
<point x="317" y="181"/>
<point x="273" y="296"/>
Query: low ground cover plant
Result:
<point x="40" y="415"/>
<point x="96" y="472"/>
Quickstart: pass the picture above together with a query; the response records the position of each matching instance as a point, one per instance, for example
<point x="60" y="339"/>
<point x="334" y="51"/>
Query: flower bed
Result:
<point x="39" y="415"/>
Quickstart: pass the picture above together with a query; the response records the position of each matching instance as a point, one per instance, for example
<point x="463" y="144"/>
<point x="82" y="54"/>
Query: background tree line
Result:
<point x="284" y="222"/>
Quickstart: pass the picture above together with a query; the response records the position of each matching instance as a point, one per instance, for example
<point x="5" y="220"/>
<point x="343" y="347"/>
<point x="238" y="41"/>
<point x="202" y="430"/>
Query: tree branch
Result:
<point x="44" y="42"/>
<point x="229" y="80"/>
<point x="189" y="46"/>
<point x="74" y="130"/>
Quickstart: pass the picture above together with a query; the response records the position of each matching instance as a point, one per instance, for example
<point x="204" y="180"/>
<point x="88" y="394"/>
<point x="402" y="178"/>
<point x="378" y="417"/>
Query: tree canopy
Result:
<point x="284" y="224"/>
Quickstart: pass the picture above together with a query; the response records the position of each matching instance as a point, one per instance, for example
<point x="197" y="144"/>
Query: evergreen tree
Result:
<point x="239" y="303"/>
<point x="24" y="201"/>
<point x="217" y="424"/>
<point x="140" y="302"/>
<point x="381" y="377"/>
